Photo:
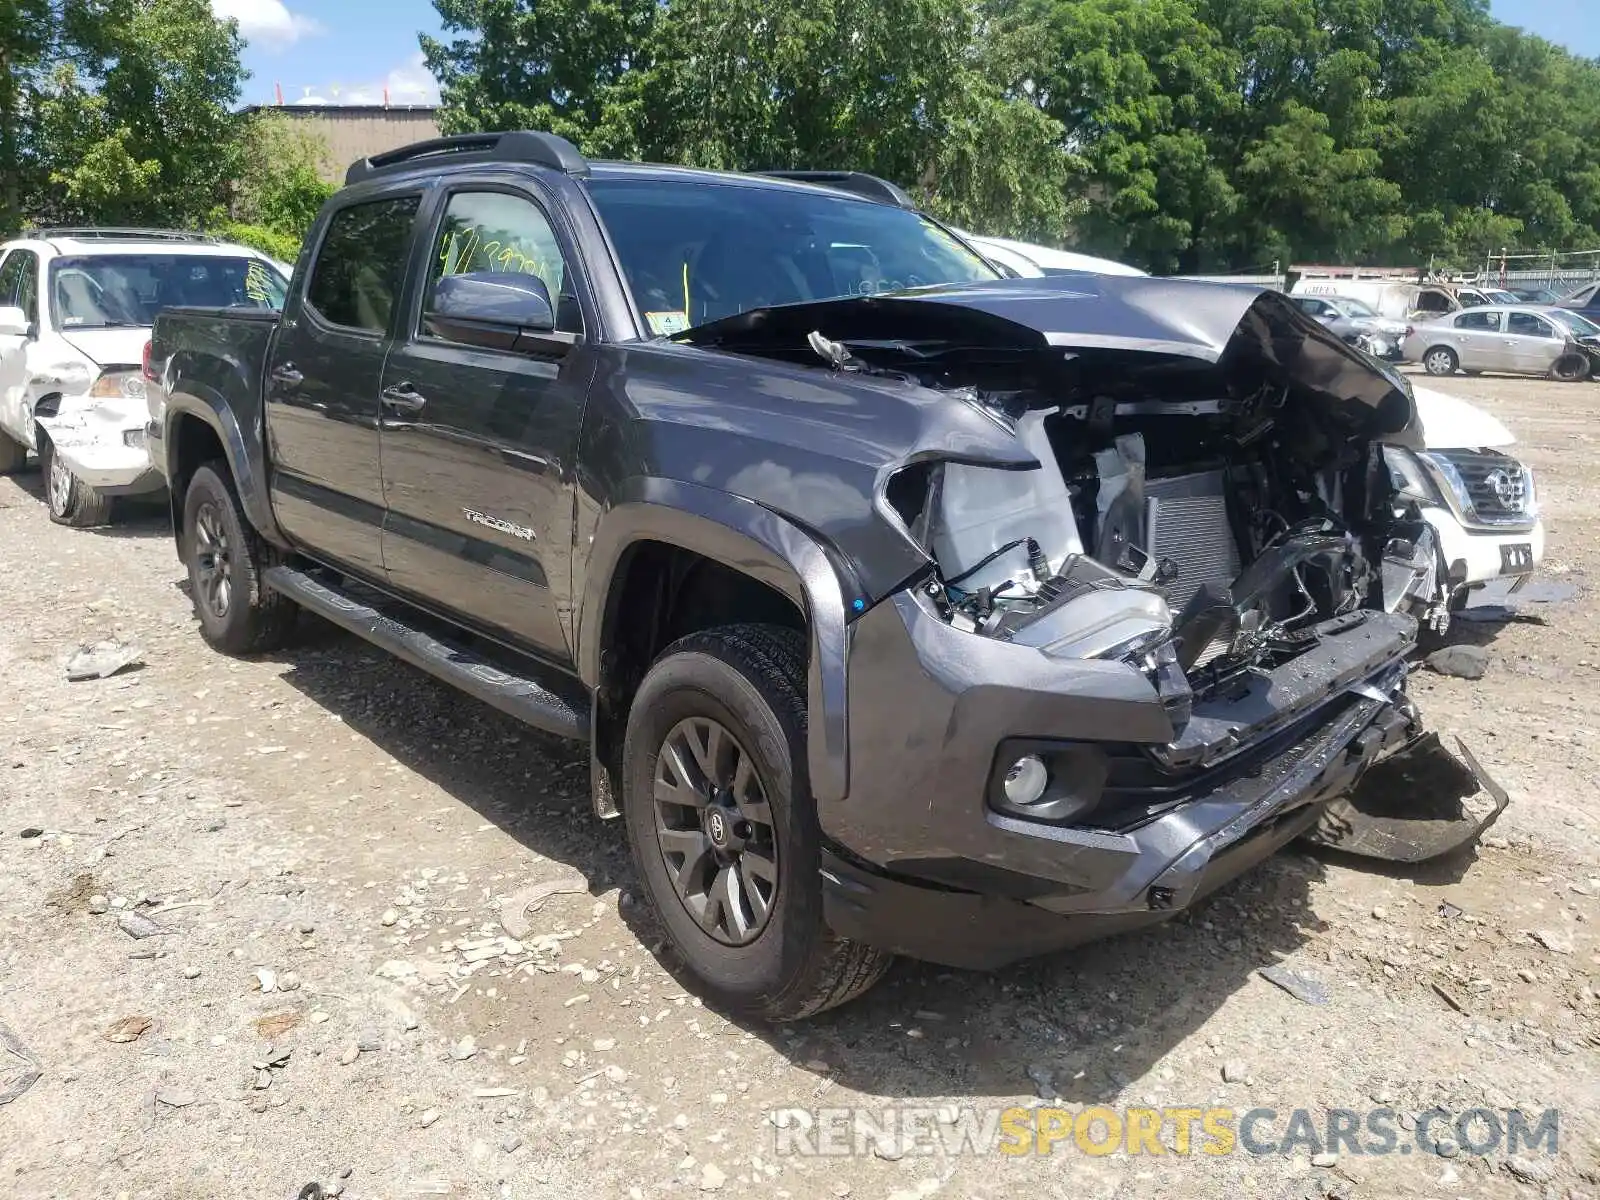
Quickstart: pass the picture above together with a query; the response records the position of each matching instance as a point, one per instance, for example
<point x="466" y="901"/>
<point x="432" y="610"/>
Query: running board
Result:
<point x="565" y="715"/>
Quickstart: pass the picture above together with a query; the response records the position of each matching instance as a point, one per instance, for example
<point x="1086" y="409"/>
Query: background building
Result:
<point x="355" y="131"/>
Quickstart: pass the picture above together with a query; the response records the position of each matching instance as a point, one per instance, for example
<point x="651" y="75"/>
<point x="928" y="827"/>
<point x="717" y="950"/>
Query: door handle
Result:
<point x="287" y="375"/>
<point x="402" y="397"/>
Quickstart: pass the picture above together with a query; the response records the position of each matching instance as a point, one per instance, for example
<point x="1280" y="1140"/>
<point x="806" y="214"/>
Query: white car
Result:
<point x="1478" y="500"/>
<point x="76" y="306"/>
<point x="1032" y="262"/>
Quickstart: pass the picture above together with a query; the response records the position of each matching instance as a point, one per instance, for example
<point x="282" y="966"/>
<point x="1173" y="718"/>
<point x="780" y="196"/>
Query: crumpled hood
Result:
<point x="1129" y="318"/>
<point x="109" y="347"/>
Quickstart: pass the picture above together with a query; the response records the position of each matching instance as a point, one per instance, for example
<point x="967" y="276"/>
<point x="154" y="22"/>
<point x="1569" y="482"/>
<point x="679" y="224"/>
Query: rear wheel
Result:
<point x="1570" y="368"/>
<point x="226" y="558"/>
<point x="13" y="454"/>
<point x="1441" y="360"/>
<point x="718" y="806"/>
<point x="72" y="501"/>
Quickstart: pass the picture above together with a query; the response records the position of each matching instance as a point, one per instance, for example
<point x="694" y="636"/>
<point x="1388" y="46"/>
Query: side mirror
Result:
<point x="489" y="308"/>
<point x="14" y="323"/>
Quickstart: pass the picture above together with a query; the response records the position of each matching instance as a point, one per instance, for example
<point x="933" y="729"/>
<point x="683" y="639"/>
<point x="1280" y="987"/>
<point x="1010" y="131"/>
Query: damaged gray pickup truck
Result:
<point x="907" y="608"/>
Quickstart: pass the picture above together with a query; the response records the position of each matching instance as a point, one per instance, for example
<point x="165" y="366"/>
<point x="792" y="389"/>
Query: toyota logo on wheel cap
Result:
<point x="717" y="827"/>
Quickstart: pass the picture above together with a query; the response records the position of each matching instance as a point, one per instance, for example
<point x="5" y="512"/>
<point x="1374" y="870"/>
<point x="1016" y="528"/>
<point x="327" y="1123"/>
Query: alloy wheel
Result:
<point x="213" y="560"/>
<point x="60" y="485"/>
<point x="715" y="829"/>
<point x="1438" y="363"/>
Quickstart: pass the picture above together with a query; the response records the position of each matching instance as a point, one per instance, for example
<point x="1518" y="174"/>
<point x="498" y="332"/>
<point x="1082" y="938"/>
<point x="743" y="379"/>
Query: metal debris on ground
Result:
<point x="137" y="925"/>
<point x="103" y="659"/>
<point x="14" y="1078"/>
<point x="514" y="908"/>
<point x="129" y="1029"/>
<point x="1297" y="983"/>
<point x="1443" y="993"/>
<point x="1449" y="911"/>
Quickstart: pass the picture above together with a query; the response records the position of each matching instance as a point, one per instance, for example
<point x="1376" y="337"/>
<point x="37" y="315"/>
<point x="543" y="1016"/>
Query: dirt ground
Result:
<point x="327" y="838"/>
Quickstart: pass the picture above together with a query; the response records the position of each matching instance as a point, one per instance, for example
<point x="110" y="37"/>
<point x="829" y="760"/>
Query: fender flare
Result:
<point x="246" y="455"/>
<point x="754" y="541"/>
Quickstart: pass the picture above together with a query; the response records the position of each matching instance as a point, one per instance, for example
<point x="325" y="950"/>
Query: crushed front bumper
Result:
<point x="932" y="871"/>
<point x="103" y="445"/>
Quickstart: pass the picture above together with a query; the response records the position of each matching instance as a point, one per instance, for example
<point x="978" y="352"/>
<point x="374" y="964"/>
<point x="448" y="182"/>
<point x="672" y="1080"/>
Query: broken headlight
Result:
<point x="1410" y="480"/>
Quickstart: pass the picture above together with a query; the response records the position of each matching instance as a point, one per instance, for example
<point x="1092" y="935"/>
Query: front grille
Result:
<point x="1498" y="488"/>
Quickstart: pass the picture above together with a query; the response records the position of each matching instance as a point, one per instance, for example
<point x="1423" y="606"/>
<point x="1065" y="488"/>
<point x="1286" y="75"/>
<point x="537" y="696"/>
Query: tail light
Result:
<point x="148" y="364"/>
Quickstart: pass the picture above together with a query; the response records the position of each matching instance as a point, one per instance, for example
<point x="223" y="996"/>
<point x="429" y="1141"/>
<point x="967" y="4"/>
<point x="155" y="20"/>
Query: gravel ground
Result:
<point x="328" y="843"/>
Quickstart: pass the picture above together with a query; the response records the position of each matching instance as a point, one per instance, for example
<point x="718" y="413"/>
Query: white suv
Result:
<point x="76" y="306"/>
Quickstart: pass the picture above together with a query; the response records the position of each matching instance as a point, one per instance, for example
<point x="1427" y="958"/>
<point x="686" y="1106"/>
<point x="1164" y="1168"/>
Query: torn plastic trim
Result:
<point x="1420" y="803"/>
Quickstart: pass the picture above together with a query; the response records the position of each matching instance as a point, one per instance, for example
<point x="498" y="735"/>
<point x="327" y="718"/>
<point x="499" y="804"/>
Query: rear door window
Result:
<point x="361" y="265"/>
<point x="1477" y="319"/>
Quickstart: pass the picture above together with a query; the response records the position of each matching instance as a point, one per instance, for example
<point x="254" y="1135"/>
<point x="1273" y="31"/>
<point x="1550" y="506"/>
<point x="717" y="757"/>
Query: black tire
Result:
<point x="13" y="455"/>
<point x="1440" y="360"/>
<point x="226" y="559"/>
<point x="70" y="500"/>
<point x="1570" y="368"/>
<point x="750" y="681"/>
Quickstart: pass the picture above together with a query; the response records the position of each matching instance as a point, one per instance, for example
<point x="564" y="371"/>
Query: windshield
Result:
<point x="1498" y="296"/>
<point x="1572" y="321"/>
<point x="1353" y="308"/>
<point x="107" y="291"/>
<point x="698" y="251"/>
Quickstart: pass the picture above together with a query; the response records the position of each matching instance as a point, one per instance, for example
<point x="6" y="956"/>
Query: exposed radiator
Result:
<point x="1187" y="521"/>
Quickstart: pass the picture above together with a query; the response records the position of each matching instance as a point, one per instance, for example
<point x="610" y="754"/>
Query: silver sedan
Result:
<point x="1522" y="339"/>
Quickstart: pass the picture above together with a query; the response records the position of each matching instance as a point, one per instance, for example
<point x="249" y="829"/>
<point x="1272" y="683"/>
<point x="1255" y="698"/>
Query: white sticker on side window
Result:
<point x="664" y="324"/>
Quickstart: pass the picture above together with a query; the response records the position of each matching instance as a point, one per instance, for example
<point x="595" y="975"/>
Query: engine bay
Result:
<point x="1198" y="534"/>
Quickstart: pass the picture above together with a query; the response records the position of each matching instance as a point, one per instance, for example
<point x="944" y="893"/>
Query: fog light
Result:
<point x="1026" y="780"/>
<point x="133" y="438"/>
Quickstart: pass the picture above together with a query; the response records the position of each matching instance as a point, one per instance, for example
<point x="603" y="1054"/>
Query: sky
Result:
<point x="348" y="51"/>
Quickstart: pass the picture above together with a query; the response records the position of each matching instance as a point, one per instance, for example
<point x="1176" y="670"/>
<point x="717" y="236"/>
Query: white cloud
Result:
<point x="412" y="84"/>
<point x="266" y="22"/>
<point x="409" y="83"/>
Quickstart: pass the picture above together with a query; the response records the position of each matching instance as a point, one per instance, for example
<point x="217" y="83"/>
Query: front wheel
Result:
<point x="72" y="501"/>
<point x="1441" y="360"/>
<point x="226" y="558"/>
<point x="719" y="812"/>
<point x="1570" y="368"/>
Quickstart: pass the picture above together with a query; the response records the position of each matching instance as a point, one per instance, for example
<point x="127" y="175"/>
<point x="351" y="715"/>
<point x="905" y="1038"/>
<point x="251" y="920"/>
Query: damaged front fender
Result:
<point x="1421" y="802"/>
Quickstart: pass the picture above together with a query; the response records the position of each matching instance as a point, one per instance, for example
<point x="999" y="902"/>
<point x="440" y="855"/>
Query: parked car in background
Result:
<point x="1358" y="323"/>
<point x="1517" y="339"/>
<point x="1029" y="261"/>
<point x="76" y="307"/>
<point x="1477" y="297"/>
<point x="1585" y="300"/>
<point x="1478" y="499"/>
<point x="1396" y="299"/>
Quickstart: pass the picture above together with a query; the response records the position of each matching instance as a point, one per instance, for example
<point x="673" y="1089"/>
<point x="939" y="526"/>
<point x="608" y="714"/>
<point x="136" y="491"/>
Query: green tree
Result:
<point x="534" y="64"/>
<point x="135" y="125"/>
<point x="280" y="185"/>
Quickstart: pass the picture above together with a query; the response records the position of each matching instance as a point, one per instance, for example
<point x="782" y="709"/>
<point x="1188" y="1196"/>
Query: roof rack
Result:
<point x="518" y="145"/>
<point x="858" y="183"/>
<point x="113" y="234"/>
